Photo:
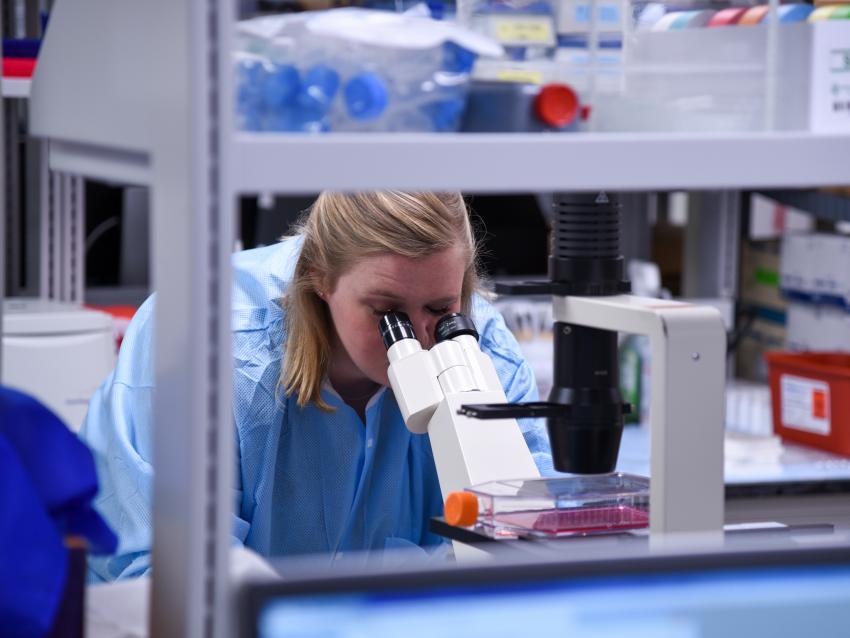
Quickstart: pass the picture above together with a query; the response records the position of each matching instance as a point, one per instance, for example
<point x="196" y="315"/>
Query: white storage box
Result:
<point x="816" y="268"/>
<point x="714" y="79"/>
<point x="815" y="327"/>
<point x="57" y="352"/>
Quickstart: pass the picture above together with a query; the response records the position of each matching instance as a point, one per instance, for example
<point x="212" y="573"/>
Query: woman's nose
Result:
<point x="424" y="326"/>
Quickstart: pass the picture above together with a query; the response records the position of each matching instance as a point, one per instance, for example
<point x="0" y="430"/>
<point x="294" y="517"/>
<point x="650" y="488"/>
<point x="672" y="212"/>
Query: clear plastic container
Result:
<point x="340" y="70"/>
<point x="558" y="507"/>
<point x="698" y="65"/>
<point x="714" y="66"/>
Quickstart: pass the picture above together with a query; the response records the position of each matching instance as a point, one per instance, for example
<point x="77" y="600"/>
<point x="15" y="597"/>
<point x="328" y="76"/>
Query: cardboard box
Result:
<point x="760" y="276"/>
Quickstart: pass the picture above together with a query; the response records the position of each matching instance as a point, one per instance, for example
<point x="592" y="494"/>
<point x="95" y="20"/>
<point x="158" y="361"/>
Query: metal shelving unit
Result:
<point x="528" y="162"/>
<point x="52" y="220"/>
<point x="118" y="104"/>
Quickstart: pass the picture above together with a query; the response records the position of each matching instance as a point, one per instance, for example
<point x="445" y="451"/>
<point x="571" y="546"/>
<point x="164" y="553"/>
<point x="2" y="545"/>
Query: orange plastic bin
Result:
<point x="810" y="398"/>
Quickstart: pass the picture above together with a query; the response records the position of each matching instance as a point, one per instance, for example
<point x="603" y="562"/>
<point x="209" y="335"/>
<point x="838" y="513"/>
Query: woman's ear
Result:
<point x="320" y="283"/>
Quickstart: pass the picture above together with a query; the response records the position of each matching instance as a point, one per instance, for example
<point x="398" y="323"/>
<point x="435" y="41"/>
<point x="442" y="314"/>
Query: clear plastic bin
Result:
<point x="354" y="70"/>
<point x="558" y="507"/>
<point x="717" y="69"/>
<point x="666" y="66"/>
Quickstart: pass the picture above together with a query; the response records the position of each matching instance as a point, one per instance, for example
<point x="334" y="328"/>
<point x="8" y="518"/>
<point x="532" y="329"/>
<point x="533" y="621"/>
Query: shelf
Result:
<point x="99" y="162"/>
<point x="16" y="87"/>
<point x="823" y="205"/>
<point x="281" y="163"/>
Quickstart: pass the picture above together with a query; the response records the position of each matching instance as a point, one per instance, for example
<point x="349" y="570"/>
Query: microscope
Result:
<point x="431" y="387"/>
<point x="452" y="391"/>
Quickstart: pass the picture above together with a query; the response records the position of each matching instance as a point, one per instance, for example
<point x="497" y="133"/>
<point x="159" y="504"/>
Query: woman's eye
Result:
<point x="381" y="313"/>
<point x="438" y="311"/>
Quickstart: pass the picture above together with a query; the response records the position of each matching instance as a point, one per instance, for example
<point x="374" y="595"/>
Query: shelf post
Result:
<point x="192" y="241"/>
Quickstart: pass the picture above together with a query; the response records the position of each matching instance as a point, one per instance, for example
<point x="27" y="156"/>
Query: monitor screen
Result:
<point x="676" y="601"/>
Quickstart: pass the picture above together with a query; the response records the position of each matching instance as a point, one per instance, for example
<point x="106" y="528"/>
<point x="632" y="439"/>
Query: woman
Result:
<point x="326" y="463"/>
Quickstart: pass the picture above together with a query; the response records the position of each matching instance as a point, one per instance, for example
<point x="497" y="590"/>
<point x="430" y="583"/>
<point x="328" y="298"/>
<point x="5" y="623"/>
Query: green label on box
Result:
<point x="767" y="277"/>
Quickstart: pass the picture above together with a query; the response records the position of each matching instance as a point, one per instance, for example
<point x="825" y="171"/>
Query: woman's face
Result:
<point x="425" y="289"/>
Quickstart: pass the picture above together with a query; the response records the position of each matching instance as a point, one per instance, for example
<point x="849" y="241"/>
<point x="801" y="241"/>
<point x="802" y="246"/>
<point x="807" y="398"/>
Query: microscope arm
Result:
<point x="688" y="345"/>
<point x="470" y="451"/>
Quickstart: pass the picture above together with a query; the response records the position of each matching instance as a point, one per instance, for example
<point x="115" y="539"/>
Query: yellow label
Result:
<point x="525" y="31"/>
<point x="518" y="75"/>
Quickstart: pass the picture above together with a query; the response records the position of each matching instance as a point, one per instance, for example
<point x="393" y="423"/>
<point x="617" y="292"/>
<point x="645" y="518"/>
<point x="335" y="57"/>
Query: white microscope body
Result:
<point x="431" y="385"/>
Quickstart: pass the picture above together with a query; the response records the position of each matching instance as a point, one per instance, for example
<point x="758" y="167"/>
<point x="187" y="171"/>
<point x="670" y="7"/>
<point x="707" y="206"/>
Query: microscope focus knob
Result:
<point x="461" y="509"/>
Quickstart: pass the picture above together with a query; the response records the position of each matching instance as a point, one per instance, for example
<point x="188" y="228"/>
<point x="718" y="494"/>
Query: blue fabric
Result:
<point x="47" y="481"/>
<point x="307" y="481"/>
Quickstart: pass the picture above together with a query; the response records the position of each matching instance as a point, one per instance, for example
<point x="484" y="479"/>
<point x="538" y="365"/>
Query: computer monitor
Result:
<point x="801" y="592"/>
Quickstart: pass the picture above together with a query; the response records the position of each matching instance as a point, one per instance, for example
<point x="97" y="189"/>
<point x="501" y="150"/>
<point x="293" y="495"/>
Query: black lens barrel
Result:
<point x="453" y="325"/>
<point x="394" y="327"/>
<point x="585" y="253"/>
<point x="586" y="440"/>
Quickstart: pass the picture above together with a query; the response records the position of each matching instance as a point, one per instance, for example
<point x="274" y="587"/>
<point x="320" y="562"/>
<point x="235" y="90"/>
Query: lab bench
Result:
<point x="771" y="488"/>
<point x="796" y="486"/>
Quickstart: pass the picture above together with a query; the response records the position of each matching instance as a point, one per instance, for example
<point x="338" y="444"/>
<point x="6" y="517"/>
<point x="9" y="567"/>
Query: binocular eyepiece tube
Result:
<point x="422" y="378"/>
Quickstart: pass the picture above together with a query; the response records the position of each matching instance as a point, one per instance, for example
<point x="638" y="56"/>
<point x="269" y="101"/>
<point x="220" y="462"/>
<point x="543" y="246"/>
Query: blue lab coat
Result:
<point x="306" y="481"/>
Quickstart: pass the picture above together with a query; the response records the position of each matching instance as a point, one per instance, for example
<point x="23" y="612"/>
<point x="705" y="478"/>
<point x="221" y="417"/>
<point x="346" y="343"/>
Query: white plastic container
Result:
<point x="816" y="268"/>
<point x="715" y="79"/>
<point x="57" y="352"/>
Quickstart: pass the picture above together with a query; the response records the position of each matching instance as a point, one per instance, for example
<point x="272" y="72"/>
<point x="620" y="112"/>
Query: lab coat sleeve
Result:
<point x="118" y="430"/>
<point x="516" y="376"/>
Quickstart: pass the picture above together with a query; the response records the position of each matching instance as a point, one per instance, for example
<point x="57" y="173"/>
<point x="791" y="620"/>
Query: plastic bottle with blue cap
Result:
<point x="250" y="79"/>
<point x="314" y="99"/>
<point x="366" y="96"/>
<point x="437" y="103"/>
<point x="282" y="85"/>
<point x="352" y="86"/>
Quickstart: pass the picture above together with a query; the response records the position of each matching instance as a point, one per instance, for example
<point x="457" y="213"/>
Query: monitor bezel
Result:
<point x="254" y="596"/>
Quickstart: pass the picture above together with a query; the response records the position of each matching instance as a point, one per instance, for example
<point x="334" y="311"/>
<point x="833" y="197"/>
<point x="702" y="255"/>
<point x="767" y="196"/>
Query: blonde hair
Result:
<point x="340" y="229"/>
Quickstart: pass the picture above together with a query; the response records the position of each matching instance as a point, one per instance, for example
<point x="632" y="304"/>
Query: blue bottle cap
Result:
<point x="457" y="59"/>
<point x="281" y="86"/>
<point x="437" y="9"/>
<point x="366" y="96"/>
<point x="793" y="12"/>
<point x="251" y="76"/>
<point x="318" y="87"/>
<point x="445" y="114"/>
<point x="250" y="71"/>
<point x="248" y="98"/>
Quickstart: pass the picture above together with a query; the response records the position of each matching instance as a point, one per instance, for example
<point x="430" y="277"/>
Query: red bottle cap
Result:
<point x="556" y="105"/>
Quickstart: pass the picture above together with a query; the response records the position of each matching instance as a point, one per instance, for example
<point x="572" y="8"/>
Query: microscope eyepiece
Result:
<point x="453" y="325"/>
<point x="394" y="327"/>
